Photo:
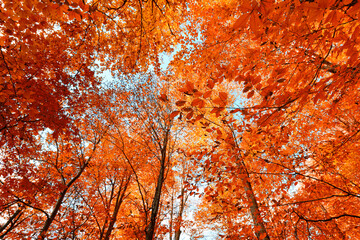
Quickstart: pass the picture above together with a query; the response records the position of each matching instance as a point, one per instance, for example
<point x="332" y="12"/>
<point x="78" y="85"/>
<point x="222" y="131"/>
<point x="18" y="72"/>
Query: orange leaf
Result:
<point x="186" y="109"/>
<point x="241" y="21"/>
<point x="189" y="115"/>
<point x="207" y="94"/>
<point x="214" y="110"/>
<point x="325" y="3"/>
<point x="223" y="96"/>
<point x="163" y="97"/>
<point x="196" y="102"/>
<point x="199" y="117"/>
<point x="255" y="23"/>
<point x="180" y="103"/>
<point x="197" y="93"/>
<point x="211" y="84"/>
<point x="262" y="235"/>
<point x="183" y="89"/>
<point x="174" y="114"/>
<point x="218" y="101"/>
<point x="190" y="86"/>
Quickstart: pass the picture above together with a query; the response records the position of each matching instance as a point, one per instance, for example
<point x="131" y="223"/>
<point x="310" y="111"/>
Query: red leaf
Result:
<point x="247" y="88"/>
<point x="250" y="94"/>
<point x="235" y="111"/>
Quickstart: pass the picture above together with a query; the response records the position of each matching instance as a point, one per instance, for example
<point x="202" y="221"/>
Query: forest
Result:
<point x="179" y="119"/>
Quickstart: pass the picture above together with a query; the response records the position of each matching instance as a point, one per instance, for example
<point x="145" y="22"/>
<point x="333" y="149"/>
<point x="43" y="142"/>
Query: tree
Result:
<point x="145" y="136"/>
<point x="257" y="115"/>
<point x="296" y="62"/>
<point x="105" y="189"/>
<point x="35" y="193"/>
<point x="51" y="50"/>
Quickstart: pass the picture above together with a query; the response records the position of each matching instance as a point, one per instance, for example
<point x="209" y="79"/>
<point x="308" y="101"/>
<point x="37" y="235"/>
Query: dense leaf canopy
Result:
<point x="249" y="131"/>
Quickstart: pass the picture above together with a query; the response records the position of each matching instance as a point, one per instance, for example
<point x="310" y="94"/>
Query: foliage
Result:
<point x="256" y="118"/>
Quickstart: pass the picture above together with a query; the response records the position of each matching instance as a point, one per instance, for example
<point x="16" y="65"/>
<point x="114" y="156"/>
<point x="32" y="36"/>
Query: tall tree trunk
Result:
<point x="3" y="227"/>
<point x="11" y="221"/>
<point x="119" y="200"/>
<point x="260" y="230"/>
<point x="156" y="200"/>
<point x="181" y="210"/>
<point x="259" y="226"/>
<point x="171" y="217"/>
<point x="56" y="209"/>
<point x="50" y="219"/>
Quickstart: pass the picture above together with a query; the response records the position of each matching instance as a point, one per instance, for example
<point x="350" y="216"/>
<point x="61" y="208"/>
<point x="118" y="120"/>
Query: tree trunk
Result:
<point x="12" y="221"/>
<point x="181" y="210"/>
<point x="2" y="228"/>
<point x="260" y="230"/>
<point x="171" y="217"/>
<point x="156" y="200"/>
<point x="119" y="200"/>
<point x="50" y="219"/>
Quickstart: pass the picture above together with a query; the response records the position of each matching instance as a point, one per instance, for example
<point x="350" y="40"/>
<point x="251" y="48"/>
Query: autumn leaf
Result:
<point x="247" y="88"/>
<point x="163" y="97"/>
<point x="190" y="115"/>
<point x="223" y="96"/>
<point x="211" y="84"/>
<point x="190" y="86"/>
<point x="198" y="102"/>
<point x="241" y="21"/>
<point x="199" y="117"/>
<point x="174" y="114"/>
<point x="78" y="148"/>
<point x="207" y="94"/>
<point x="180" y="103"/>
<point x="218" y="101"/>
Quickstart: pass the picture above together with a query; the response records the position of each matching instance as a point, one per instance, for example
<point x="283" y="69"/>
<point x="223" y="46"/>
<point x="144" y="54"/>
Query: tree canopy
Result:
<point x="249" y="131"/>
